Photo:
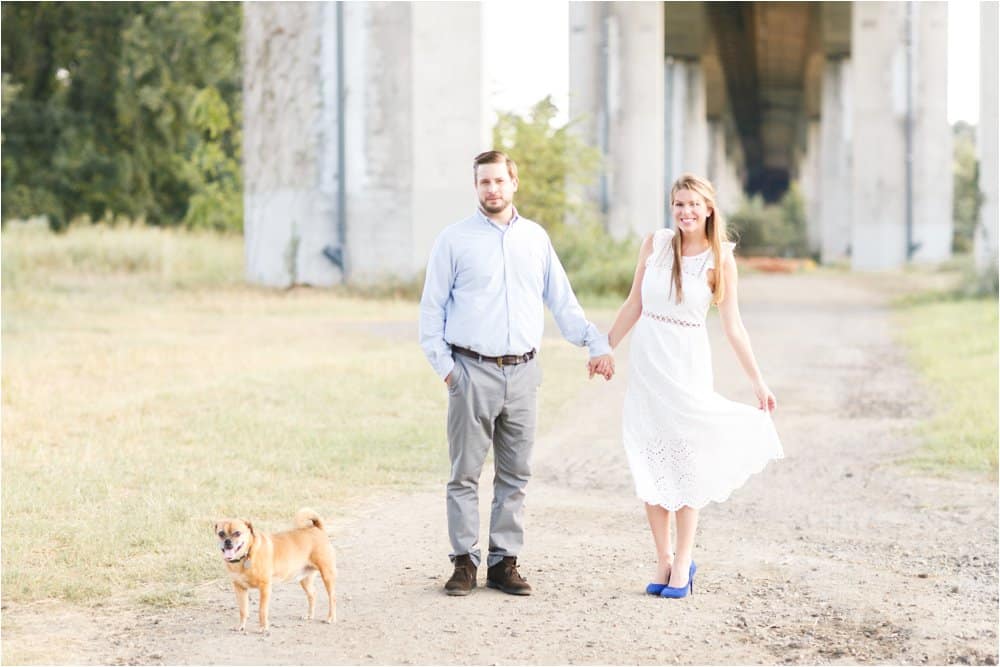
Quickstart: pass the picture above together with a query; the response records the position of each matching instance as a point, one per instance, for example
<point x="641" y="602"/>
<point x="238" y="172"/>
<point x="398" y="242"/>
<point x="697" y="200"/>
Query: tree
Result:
<point x="551" y="161"/>
<point x="62" y="60"/>
<point x="122" y="109"/>
<point x="547" y="158"/>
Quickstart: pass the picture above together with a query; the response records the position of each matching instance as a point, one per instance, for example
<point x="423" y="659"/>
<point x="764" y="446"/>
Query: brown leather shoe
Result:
<point x="505" y="577"/>
<point x="463" y="579"/>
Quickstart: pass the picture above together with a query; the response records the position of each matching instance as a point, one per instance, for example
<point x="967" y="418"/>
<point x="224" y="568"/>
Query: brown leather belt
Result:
<point x="505" y="360"/>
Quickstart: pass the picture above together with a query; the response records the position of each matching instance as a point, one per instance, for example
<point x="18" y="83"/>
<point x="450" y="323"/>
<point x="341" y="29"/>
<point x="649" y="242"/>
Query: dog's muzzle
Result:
<point x="229" y="551"/>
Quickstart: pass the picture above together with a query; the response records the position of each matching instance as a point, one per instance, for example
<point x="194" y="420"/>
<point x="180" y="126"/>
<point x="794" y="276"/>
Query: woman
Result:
<point x="687" y="445"/>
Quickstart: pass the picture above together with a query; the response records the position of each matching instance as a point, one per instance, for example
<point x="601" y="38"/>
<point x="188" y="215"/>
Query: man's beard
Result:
<point x="496" y="207"/>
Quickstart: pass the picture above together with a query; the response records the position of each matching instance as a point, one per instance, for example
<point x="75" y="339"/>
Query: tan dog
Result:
<point x="256" y="560"/>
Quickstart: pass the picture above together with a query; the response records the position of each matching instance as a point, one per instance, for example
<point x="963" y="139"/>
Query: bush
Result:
<point x="967" y="197"/>
<point x="549" y="160"/>
<point x="772" y="229"/>
<point x="596" y="263"/>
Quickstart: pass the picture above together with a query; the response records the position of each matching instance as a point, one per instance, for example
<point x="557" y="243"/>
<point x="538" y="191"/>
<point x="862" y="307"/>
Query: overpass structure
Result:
<point x="361" y="120"/>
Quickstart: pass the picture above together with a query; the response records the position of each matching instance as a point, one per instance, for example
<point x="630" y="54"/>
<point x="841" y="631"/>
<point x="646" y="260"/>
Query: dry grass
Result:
<point x="146" y="392"/>
<point x="951" y="340"/>
<point x="953" y="344"/>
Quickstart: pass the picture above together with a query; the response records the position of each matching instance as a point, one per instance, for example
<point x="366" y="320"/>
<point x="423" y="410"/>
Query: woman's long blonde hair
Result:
<point x="715" y="230"/>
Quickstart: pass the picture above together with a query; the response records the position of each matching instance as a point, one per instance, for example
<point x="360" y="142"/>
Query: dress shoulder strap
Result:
<point x="661" y="238"/>
<point x="661" y="244"/>
<point x="727" y="249"/>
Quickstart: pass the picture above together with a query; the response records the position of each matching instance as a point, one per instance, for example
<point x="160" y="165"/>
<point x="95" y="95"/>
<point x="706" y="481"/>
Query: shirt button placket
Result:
<point x="506" y="284"/>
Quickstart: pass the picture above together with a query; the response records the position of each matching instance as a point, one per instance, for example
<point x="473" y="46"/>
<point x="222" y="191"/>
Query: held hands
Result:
<point x="603" y="365"/>
<point x="765" y="399"/>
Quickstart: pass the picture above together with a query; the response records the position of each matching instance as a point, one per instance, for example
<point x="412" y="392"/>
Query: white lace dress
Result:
<point x="686" y="444"/>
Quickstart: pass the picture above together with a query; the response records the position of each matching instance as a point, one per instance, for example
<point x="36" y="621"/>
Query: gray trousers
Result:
<point x="490" y="405"/>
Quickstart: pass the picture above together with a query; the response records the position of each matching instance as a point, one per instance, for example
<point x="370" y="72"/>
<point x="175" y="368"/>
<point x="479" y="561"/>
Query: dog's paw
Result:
<point x="239" y="628"/>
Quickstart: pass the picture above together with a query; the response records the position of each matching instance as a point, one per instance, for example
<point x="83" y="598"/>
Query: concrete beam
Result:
<point x="685" y="30"/>
<point x="835" y="21"/>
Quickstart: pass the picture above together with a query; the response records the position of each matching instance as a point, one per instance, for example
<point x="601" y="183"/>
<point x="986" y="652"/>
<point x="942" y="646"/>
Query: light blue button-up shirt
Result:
<point x="485" y="289"/>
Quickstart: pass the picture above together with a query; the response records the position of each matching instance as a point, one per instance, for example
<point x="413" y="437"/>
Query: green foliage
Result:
<point x="772" y="229"/>
<point x="217" y="202"/>
<point x="122" y="109"/>
<point x="596" y="263"/>
<point x="967" y="197"/>
<point x="554" y="165"/>
<point x="960" y="378"/>
<point x="61" y="58"/>
<point x="548" y="160"/>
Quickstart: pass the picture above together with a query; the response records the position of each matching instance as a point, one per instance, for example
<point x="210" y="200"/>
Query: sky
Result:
<point x="963" y="61"/>
<point x="527" y="55"/>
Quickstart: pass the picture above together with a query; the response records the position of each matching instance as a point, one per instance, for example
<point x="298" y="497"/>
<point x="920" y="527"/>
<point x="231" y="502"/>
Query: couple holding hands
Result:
<point x="488" y="281"/>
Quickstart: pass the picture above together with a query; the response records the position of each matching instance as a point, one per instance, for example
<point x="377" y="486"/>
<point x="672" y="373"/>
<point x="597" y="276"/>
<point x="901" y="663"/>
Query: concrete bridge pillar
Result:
<point x="986" y="233"/>
<point x="688" y="131"/>
<point x="933" y="155"/>
<point x="835" y="161"/>
<point x="410" y="128"/>
<point x="723" y="167"/>
<point x="809" y="177"/>
<point x="900" y="59"/>
<point x="618" y="90"/>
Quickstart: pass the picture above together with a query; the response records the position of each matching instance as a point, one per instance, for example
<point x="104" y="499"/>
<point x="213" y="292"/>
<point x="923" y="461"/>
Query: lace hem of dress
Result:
<point x="724" y="488"/>
<point x="671" y="463"/>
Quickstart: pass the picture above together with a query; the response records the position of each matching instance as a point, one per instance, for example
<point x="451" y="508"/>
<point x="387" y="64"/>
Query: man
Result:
<point x="481" y="321"/>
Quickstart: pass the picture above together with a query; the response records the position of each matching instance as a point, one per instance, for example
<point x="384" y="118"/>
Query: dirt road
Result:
<point x="837" y="554"/>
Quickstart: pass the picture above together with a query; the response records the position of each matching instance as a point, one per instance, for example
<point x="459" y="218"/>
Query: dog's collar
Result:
<point x="245" y="560"/>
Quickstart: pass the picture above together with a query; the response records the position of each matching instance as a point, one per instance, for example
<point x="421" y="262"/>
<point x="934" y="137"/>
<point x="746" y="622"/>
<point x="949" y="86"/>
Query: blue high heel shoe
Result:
<point x="655" y="589"/>
<point x="681" y="591"/>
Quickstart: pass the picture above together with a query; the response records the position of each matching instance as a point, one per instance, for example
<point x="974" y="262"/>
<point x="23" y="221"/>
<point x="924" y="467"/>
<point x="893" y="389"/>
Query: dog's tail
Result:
<point x="306" y="518"/>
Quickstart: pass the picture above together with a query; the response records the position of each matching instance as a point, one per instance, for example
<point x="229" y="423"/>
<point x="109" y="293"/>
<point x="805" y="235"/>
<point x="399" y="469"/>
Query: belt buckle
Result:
<point x="500" y="361"/>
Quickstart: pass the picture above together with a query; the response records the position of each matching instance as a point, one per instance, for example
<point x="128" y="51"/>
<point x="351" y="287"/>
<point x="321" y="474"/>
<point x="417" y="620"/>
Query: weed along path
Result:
<point x="839" y="553"/>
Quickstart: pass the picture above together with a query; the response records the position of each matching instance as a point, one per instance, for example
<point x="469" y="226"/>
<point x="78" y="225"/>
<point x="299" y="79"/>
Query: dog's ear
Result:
<point x="216" y="527"/>
<point x="249" y="526"/>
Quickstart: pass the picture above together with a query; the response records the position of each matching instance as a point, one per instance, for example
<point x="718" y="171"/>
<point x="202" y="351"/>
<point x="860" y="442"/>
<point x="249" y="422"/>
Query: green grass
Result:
<point x="147" y="392"/>
<point x="953" y="344"/>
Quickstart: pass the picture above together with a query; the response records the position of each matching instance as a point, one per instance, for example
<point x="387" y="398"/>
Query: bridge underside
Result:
<point x="763" y="64"/>
<point x="845" y="100"/>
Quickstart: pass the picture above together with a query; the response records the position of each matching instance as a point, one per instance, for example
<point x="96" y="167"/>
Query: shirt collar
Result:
<point x="514" y="218"/>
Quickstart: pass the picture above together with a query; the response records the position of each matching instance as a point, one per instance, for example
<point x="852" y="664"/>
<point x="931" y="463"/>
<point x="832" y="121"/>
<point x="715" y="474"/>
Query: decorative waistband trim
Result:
<point x="670" y="320"/>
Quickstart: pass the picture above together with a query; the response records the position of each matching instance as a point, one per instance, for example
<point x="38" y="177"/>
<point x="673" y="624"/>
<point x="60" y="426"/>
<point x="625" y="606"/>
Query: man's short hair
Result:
<point x="493" y="157"/>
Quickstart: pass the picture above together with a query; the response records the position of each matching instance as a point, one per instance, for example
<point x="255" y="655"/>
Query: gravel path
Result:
<point x="837" y="554"/>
